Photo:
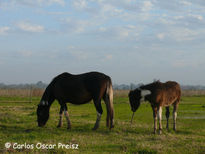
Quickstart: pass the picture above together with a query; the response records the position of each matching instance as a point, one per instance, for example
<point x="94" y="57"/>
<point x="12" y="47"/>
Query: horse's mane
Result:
<point x="151" y="86"/>
<point x="62" y="75"/>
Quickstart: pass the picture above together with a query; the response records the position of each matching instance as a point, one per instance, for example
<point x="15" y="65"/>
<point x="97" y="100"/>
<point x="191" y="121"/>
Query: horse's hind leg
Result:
<point x="99" y="113"/>
<point x="167" y="116"/>
<point x="60" y="123"/>
<point x="106" y="99"/>
<point x="175" y="115"/>
<point x="67" y="116"/>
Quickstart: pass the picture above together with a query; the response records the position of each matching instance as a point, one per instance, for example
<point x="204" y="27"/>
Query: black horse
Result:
<point x="159" y="95"/>
<point x="78" y="89"/>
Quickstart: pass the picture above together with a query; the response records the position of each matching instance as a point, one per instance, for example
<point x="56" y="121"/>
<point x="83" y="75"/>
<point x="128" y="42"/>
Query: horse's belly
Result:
<point x="79" y="99"/>
<point x="169" y="102"/>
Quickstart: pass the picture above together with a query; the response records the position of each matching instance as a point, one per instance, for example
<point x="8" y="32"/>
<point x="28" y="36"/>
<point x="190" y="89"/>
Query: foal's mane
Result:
<point x="151" y="86"/>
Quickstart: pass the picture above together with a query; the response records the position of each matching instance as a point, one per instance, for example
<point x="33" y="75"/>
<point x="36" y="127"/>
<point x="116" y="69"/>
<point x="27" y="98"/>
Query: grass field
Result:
<point x="18" y="125"/>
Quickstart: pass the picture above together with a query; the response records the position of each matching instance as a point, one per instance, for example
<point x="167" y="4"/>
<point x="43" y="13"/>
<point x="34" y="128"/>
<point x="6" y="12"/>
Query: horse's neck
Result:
<point x="151" y="86"/>
<point x="147" y="87"/>
<point x="47" y="97"/>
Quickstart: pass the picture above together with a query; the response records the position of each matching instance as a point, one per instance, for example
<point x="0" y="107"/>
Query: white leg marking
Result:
<point x="160" y="117"/>
<point x="98" y="116"/>
<point x="160" y="113"/>
<point x="175" y="116"/>
<point x="67" y="118"/>
<point x="97" y="123"/>
<point x="174" y="119"/>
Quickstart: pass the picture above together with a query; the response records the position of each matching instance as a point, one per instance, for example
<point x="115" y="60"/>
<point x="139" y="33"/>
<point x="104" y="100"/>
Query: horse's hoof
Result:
<point x="160" y="132"/>
<point x="94" y="128"/>
<point x="111" y="126"/>
<point x="58" y="126"/>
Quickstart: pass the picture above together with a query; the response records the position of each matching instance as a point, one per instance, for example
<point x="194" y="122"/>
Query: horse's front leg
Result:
<point x="160" y="119"/>
<point x="99" y="113"/>
<point x="60" y="123"/>
<point x="155" y="118"/>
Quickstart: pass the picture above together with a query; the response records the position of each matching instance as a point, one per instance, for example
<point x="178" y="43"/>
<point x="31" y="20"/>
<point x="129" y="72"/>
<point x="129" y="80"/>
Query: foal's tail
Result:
<point x="109" y="104"/>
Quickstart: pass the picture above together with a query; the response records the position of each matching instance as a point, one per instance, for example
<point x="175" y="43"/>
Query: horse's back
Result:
<point x="171" y="92"/>
<point x="79" y="89"/>
<point x="165" y="93"/>
<point x="173" y="87"/>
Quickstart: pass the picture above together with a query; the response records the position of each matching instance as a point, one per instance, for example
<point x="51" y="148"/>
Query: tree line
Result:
<point x="42" y="85"/>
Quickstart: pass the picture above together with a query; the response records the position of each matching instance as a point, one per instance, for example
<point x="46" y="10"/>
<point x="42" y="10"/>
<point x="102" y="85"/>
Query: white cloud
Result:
<point x="60" y="2"/>
<point x="108" y="57"/>
<point x="122" y="33"/>
<point x="186" y="3"/>
<point x="161" y="36"/>
<point x="189" y="63"/>
<point x="31" y="3"/>
<point x="80" y="4"/>
<point x="183" y="34"/>
<point x="147" y="6"/>
<point x="102" y="29"/>
<point x="80" y="55"/>
<point x="26" y="53"/>
<point x="76" y="25"/>
<point x="3" y="30"/>
<point x="28" y="27"/>
<point x="77" y="53"/>
<point x="199" y="17"/>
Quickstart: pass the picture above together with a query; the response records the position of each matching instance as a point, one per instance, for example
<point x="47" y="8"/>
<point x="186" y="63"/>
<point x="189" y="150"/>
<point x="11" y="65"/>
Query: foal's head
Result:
<point x="134" y="98"/>
<point x="42" y="114"/>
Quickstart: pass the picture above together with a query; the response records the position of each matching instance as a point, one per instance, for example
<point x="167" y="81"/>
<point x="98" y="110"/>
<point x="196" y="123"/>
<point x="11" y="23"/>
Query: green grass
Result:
<point x="18" y="125"/>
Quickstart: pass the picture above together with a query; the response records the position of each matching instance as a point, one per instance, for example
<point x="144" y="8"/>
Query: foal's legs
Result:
<point x="175" y="115"/>
<point x="160" y="119"/>
<point x="98" y="107"/>
<point x="155" y="118"/>
<point x="167" y="116"/>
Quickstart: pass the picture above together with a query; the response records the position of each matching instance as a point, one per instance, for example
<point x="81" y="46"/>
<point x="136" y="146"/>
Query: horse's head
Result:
<point x="42" y="113"/>
<point x="135" y="98"/>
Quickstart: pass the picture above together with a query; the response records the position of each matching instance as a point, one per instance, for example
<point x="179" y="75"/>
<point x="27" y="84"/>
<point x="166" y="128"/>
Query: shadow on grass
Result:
<point x="183" y="132"/>
<point x="17" y="129"/>
<point x="6" y="129"/>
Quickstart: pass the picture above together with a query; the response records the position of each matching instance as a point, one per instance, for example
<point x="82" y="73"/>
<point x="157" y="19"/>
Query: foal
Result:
<point x="159" y="95"/>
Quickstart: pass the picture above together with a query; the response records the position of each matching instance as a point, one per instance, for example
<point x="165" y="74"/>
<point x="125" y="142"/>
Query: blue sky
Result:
<point x="130" y="40"/>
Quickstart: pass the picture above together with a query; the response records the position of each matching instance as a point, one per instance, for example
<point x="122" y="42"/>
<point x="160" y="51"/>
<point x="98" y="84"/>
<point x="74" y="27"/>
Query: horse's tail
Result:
<point x="109" y="104"/>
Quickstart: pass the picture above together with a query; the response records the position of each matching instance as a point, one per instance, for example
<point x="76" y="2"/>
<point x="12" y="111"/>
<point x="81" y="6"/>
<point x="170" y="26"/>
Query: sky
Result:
<point x="132" y="41"/>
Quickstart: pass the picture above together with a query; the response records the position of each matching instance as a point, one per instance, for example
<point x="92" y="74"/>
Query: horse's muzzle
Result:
<point x="40" y="125"/>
